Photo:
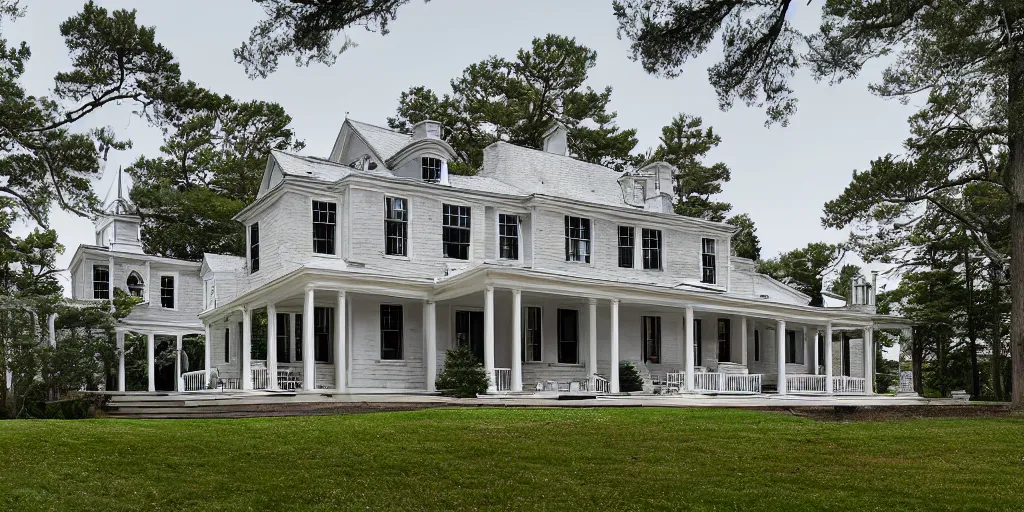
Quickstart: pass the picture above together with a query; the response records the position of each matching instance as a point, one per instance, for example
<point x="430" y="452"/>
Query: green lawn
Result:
<point x="524" y="458"/>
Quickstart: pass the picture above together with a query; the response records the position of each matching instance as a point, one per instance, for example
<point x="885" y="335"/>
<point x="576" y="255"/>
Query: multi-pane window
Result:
<point x="455" y="233"/>
<point x="532" y="334"/>
<point x="396" y="226"/>
<point x="577" y="239"/>
<point x="469" y="332"/>
<point x="323" y="325"/>
<point x="167" y="292"/>
<point x="651" y="248"/>
<point x="136" y="285"/>
<point x="254" y="248"/>
<point x="757" y="345"/>
<point x="227" y="345"/>
<point x="697" y="341"/>
<point x="508" y="237"/>
<point x="651" y="338"/>
<point x="325" y="219"/>
<point x="724" y="339"/>
<point x="298" y="337"/>
<point x="568" y="336"/>
<point x="707" y="260"/>
<point x="390" y="331"/>
<point x="101" y="282"/>
<point x="791" y="349"/>
<point x="283" y="328"/>
<point x="626" y="246"/>
<point x="430" y="168"/>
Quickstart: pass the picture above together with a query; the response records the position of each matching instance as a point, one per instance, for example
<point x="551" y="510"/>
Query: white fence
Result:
<point x="726" y="383"/>
<point x="811" y="384"/>
<point x="193" y="381"/>
<point x="503" y="379"/>
<point x="847" y="385"/>
<point x="260" y="377"/>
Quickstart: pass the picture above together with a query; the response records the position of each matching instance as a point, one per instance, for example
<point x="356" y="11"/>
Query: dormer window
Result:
<point x="430" y="168"/>
<point x="639" y="191"/>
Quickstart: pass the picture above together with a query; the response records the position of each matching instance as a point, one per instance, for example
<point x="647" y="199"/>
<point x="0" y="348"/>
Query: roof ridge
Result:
<point x="556" y="155"/>
<point x="379" y="127"/>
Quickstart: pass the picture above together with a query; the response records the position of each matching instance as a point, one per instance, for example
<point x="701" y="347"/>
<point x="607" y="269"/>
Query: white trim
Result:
<point x="497" y="236"/>
<point x="525" y="316"/>
<point x="408" y="228"/>
<point x="177" y="283"/>
<point x="337" y="226"/>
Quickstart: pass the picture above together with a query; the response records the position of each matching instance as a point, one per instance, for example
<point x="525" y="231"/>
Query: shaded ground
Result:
<point x="461" y="458"/>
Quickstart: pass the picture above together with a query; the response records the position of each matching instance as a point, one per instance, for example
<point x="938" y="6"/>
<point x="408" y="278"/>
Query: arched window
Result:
<point x="136" y="286"/>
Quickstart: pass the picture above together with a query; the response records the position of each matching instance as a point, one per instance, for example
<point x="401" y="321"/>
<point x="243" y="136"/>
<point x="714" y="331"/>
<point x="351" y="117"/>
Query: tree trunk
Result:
<point x="940" y="350"/>
<point x="972" y="332"/>
<point x="997" y="335"/>
<point x="1015" y="181"/>
<point x="917" y="359"/>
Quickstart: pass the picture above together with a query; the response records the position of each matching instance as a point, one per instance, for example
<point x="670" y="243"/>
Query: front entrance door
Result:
<point x="469" y="329"/>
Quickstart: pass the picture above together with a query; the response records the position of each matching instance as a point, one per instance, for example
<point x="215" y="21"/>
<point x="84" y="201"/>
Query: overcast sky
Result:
<point x="781" y="176"/>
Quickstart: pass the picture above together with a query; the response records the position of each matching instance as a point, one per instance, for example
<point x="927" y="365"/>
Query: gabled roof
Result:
<point x="385" y="142"/>
<point x="537" y="172"/>
<point x="223" y="262"/>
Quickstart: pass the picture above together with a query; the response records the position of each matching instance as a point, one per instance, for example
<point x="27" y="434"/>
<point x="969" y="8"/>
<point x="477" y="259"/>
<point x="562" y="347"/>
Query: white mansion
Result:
<point x="373" y="262"/>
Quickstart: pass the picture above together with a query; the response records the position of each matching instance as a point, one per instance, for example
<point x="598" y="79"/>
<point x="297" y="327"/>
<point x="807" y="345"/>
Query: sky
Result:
<point x="781" y="176"/>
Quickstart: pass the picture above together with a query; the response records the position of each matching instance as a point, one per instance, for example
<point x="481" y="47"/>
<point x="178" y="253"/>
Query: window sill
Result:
<point x="394" y="362"/>
<point x="563" y="365"/>
<point x="396" y="257"/>
<point x="326" y="256"/>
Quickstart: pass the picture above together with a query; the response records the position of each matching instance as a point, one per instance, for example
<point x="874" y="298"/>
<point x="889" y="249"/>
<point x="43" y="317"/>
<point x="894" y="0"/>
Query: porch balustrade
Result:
<point x="807" y="384"/>
<point x="503" y="379"/>
<point x="193" y="381"/>
<point x="260" y="376"/>
<point x="848" y="385"/>
<point x="726" y="383"/>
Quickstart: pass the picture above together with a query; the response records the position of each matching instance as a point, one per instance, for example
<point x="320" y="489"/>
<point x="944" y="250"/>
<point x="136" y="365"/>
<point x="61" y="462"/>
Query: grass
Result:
<point x="514" y="458"/>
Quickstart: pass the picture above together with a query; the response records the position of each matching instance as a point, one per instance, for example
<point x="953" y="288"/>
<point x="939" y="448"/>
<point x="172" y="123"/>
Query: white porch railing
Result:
<point x="847" y="385"/>
<point x="726" y="383"/>
<point x="813" y="384"/>
<point x="503" y="379"/>
<point x="260" y="377"/>
<point x="193" y="381"/>
<point x="600" y="384"/>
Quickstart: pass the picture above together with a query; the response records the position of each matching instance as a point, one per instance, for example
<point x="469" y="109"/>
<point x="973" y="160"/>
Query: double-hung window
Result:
<point x="508" y="237"/>
<point x="254" y="248"/>
<point x="167" y="292"/>
<point x="325" y="220"/>
<point x="577" y="239"/>
<point x="430" y="168"/>
<point x="532" y="334"/>
<point x="626" y="246"/>
<point x="390" y="331"/>
<point x="707" y="260"/>
<point x="101" y="282"/>
<point x="568" y="336"/>
<point x="323" y="325"/>
<point x="396" y="226"/>
<point x="283" y="331"/>
<point x="455" y="233"/>
<point x="791" y="349"/>
<point x="724" y="340"/>
<point x="651" y="338"/>
<point x="652" y="249"/>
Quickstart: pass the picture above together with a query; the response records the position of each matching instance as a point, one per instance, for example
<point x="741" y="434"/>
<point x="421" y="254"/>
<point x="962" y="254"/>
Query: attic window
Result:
<point x="431" y="169"/>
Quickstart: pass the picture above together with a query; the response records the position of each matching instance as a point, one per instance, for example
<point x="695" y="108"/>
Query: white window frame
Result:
<point x="248" y="241"/>
<point x="618" y="246"/>
<point x="92" y="280"/>
<point x="408" y="227"/>
<point x="579" y="336"/>
<point x="661" y="249"/>
<point x="469" y="246"/>
<point x="337" y="225"/>
<point x="700" y="260"/>
<point x="440" y="167"/>
<point x="519" y="236"/>
<point x="525" y="317"/>
<point x="590" y="241"/>
<point x="145" y="286"/>
<point x="177" y="285"/>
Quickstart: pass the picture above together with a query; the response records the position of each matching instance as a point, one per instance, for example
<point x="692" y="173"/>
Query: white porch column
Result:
<point x="803" y="334"/>
<point x="271" y="346"/>
<point x="743" y="340"/>
<point x="177" y="364"/>
<point x="246" y="359"/>
<point x="689" y="348"/>
<point x="868" y="359"/>
<point x="592" y="337"/>
<point x="613" y="345"/>
<point x="341" y="343"/>
<point x="120" y="362"/>
<point x="151" y="361"/>
<point x="780" y="356"/>
<point x="517" y="340"/>
<point x="814" y="351"/>
<point x="207" y="359"/>
<point x="489" y="337"/>
<point x="430" y="343"/>
<point x="308" y="365"/>
<point x="828" y="357"/>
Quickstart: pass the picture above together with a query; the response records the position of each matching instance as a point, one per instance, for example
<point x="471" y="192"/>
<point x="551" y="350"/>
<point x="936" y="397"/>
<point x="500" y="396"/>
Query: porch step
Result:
<point x="247" y="408"/>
